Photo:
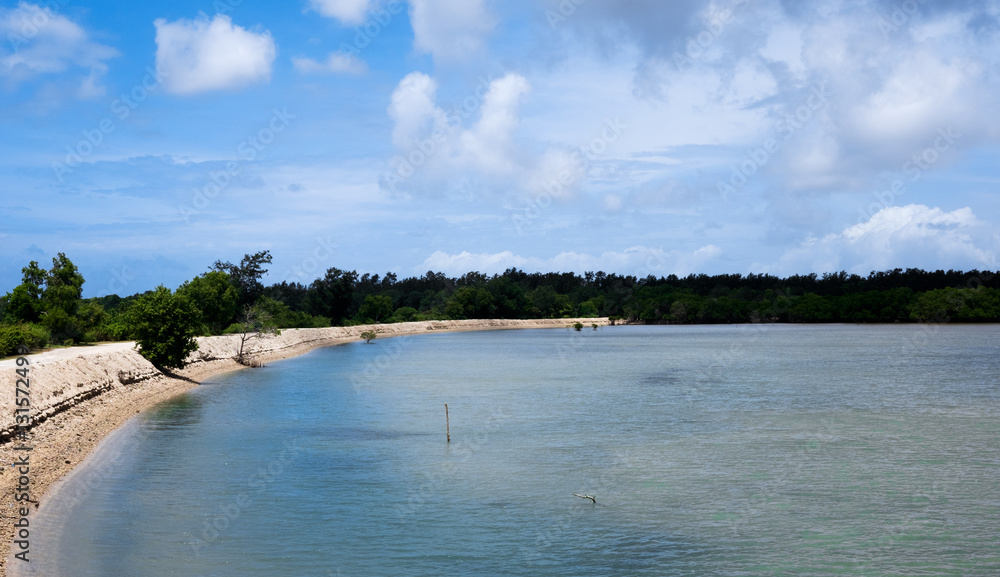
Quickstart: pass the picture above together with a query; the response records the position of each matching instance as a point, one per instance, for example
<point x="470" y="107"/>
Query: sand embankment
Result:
<point x="81" y="394"/>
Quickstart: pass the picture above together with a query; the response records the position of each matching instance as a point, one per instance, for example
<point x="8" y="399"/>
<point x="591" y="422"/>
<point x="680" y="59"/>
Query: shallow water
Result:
<point x="711" y="450"/>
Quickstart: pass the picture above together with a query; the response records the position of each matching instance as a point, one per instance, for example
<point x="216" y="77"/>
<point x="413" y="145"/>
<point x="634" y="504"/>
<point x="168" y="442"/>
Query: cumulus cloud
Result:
<point x="202" y="55"/>
<point x="442" y="148"/>
<point x="450" y="30"/>
<point x="349" y="12"/>
<point x="478" y="149"/>
<point x="898" y="236"/>
<point x="336" y="63"/>
<point x="638" y="260"/>
<point x="39" y="42"/>
<point x="488" y="144"/>
<point x="895" y="73"/>
<point x="889" y="96"/>
<point x="414" y="109"/>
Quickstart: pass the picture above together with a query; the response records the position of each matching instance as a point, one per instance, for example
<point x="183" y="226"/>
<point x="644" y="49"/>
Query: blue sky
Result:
<point x="148" y="140"/>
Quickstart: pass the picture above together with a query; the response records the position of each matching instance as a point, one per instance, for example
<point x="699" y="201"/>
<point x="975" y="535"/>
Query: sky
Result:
<point x="149" y="140"/>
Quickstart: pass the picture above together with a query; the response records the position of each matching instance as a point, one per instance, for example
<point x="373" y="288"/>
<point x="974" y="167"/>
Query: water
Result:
<point x="719" y="450"/>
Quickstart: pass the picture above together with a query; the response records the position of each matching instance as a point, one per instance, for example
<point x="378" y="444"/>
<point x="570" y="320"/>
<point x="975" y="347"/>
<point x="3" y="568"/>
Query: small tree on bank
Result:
<point x="255" y="323"/>
<point x="164" y="328"/>
<point x="368" y="336"/>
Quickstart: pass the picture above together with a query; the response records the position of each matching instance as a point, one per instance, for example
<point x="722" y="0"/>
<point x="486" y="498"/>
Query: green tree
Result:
<point x="22" y="306"/>
<point x="91" y="315"/>
<point x="255" y="323"/>
<point x="116" y="326"/>
<point x="63" y="286"/>
<point x="812" y="308"/>
<point x="284" y="317"/>
<point x="368" y="336"/>
<point x="164" y="327"/>
<point x="215" y="297"/>
<point x="246" y="276"/>
<point x="588" y="308"/>
<point x="981" y="304"/>
<point x="24" y="303"/>
<point x="376" y="308"/>
<point x="470" y="303"/>
<point x="405" y="315"/>
<point x="510" y="298"/>
<point x="61" y="299"/>
<point x="548" y="303"/>
<point x="331" y="296"/>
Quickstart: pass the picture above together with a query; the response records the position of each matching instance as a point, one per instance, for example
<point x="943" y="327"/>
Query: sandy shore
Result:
<point x="80" y="395"/>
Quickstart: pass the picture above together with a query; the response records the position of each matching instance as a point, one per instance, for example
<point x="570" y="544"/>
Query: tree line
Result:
<point x="48" y="308"/>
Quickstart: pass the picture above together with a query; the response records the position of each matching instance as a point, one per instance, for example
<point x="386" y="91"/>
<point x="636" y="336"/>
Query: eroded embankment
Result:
<point x="79" y="395"/>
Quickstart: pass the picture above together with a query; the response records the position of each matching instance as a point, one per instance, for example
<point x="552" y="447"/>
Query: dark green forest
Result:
<point x="47" y="308"/>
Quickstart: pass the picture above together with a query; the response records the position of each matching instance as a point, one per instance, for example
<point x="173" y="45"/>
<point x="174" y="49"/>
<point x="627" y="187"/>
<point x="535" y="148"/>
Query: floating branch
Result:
<point x="447" y="425"/>
<point x="591" y="497"/>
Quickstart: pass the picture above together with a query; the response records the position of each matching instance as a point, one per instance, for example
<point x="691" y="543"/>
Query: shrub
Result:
<point x="31" y="335"/>
<point x="165" y="326"/>
<point x="368" y="336"/>
<point x="116" y="326"/>
<point x="405" y="315"/>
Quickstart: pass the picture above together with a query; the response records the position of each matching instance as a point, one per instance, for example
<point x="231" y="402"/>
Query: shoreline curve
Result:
<point x="82" y="394"/>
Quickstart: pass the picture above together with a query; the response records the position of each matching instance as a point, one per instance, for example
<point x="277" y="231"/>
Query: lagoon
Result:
<point x="710" y="450"/>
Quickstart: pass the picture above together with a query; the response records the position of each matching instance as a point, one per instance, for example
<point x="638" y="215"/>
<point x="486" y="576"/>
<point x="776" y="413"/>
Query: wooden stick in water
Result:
<point x="447" y="424"/>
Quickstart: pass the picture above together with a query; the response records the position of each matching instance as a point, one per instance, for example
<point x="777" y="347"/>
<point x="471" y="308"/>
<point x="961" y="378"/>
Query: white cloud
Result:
<point x="888" y="93"/>
<point x="478" y="149"/>
<point x="38" y="41"/>
<point x="435" y="144"/>
<point x="636" y="260"/>
<point x="488" y="143"/>
<point x="336" y="62"/>
<point x="203" y="55"/>
<point x="898" y="236"/>
<point x="413" y="108"/>
<point x="349" y="12"/>
<point x="450" y="30"/>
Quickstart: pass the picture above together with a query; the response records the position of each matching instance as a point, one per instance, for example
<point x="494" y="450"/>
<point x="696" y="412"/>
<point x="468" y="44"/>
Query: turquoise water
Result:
<point x="719" y="450"/>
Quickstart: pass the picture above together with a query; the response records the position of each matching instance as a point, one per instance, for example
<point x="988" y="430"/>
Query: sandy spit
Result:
<point x="80" y="395"/>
